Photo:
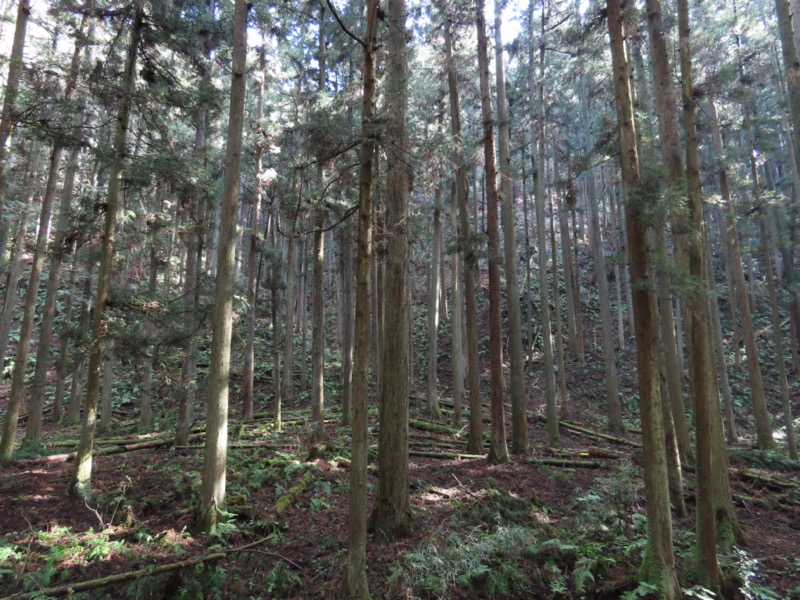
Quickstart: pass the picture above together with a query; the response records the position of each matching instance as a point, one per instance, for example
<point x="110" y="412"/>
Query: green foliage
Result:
<point x="479" y="557"/>
<point x="282" y="582"/>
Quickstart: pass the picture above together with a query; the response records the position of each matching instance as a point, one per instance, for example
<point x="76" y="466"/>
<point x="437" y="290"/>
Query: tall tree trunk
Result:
<point x="150" y="358"/>
<point x="318" y="291"/>
<point x="658" y="562"/>
<point x="566" y="262"/>
<point x="763" y="422"/>
<point x="15" y="266"/>
<point x="671" y="155"/>
<point x="8" y="117"/>
<point x="17" y="391"/>
<point x="355" y="586"/>
<point x="457" y="322"/>
<point x="706" y="400"/>
<point x="106" y="385"/>
<point x="563" y="394"/>
<point x="498" y="450"/>
<point x="347" y="322"/>
<point x="519" y="417"/>
<point x="212" y="491"/>
<point x="252" y="251"/>
<point x="432" y="404"/>
<point x="74" y="406"/>
<point x="391" y="516"/>
<point x="36" y="404"/>
<point x="287" y="389"/>
<point x="538" y="163"/>
<point x="470" y="266"/>
<point x="82" y="473"/>
<point x="65" y="338"/>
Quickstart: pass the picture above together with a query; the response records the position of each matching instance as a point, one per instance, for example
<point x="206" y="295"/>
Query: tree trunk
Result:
<point x="107" y="384"/>
<point x="82" y="474"/>
<point x="252" y="251"/>
<point x="355" y="586"/>
<point x="470" y="266"/>
<point x="61" y="248"/>
<point x="287" y="389"/>
<point x="15" y="268"/>
<point x="347" y="322"/>
<point x="8" y="117"/>
<point x="538" y="172"/>
<point x="563" y="394"/>
<point x="457" y="322"/>
<point x="74" y="406"/>
<point x="498" y="450"/>
<point x="519" y="418"/>
<point x="17" y="391"/>
<point x="706" y="401"/>
<point x="212" y="491"/>
<point x="318" y="291"/>
<point x="658" y="562"/>
<point x="432" y="404"/>
<point x="65" y="337"/>
<point x="391" y="516"/>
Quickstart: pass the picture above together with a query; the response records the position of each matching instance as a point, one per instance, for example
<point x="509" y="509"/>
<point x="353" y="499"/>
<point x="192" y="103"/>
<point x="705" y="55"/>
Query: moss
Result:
<point x="293" y="492"/>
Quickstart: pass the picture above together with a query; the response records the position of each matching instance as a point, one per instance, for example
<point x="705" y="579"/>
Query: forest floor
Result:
<point x="574" y="528"/>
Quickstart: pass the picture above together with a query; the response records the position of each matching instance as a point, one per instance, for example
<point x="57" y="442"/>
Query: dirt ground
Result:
<point x="144" y="498"/>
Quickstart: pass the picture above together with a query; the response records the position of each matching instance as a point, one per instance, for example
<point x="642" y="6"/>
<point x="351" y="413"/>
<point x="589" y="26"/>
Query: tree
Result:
<point x="498" y="450"/>
<point x="537" y="164"/>
<point x="659" y="562"/>
<point x="8" y="117"/>
<point x="212" y="492"/>
<point x="465" y="245"/>
<point x="82" y="473"/>
<point x="519" y="417"/>
<point x="355" y="580"/>
<point x="391" y="515"/>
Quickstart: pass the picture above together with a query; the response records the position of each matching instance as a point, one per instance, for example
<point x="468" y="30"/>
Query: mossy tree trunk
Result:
<point x="659" y="562"/>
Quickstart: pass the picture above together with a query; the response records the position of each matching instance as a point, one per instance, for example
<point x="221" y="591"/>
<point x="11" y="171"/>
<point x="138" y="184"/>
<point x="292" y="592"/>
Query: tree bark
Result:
<point x="82" y="474"/>
<point x="432" y="404"/>
<point x="9" y="115"/>
<point x="391" y="516"/>
<point x="355" y="586"/>
<point x="15" y="266"/>
<point x="537" y="164"/>
<point x="498" y="450"/>
<point x="17" y="391"/>
<point x="212" y="491"/>
<point x="519" y="418"/>
<point x="658" y="562"/>
<point x="466" y="245"/>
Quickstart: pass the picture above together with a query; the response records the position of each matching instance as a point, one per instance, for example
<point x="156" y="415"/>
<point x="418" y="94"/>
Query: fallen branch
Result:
<point x="92" y="584"/>
<point x="769" y="481"/>
<point x="559" y="462"/>
<point x="444" y="455"/>
<point x="434" y="427"/>
<point x="602" y="436"/>
<point x="59" y="458"/>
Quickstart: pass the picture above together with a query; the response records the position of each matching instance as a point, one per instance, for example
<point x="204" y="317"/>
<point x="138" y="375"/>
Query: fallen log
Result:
<point x="769" y="481"/>
<point x="602" y="436"/>
<point x="59" y="458"/>
<point x="444" y="455"/>
<point x="93" y="584"/>
<point x="559" y="462"/>
<point x="433" y="427"/>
